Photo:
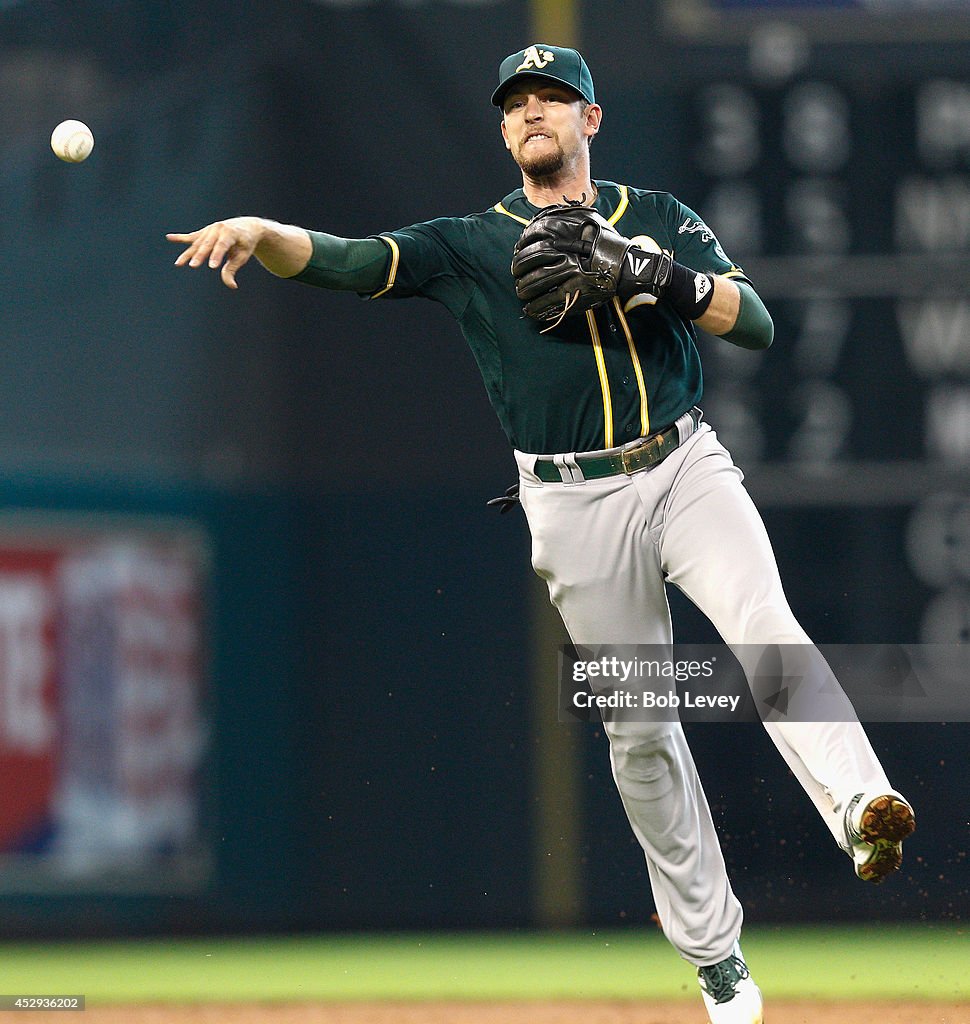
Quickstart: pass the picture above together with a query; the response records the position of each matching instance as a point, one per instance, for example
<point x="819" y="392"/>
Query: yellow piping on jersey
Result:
<point x="604" y="380"/>
<point x="499" y="208"/>
<point x="644" y="408"/>
<point x="623" y="204"/>
<point x="392" y="273"/>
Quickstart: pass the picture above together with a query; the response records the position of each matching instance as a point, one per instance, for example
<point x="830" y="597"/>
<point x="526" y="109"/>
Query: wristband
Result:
<point x="688" y="292"/>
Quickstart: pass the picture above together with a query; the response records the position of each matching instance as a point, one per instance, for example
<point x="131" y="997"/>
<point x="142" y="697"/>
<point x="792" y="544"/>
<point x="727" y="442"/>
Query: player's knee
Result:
<point x="642" y="759"/>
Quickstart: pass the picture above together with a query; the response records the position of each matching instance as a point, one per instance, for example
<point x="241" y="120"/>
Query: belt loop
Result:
<point x="569" y="471"/>
<point x="686" y="425"/>
<point x="572" y="464"/>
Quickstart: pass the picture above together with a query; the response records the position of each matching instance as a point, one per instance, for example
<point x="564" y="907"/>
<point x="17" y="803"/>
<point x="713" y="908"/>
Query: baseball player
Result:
<point x="588" y="352"/>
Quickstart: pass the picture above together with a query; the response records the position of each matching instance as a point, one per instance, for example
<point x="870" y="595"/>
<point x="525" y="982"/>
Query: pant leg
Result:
<point x="714" y="547"/>
<point x="595" y="545"/>
<point x="669" y="814"/>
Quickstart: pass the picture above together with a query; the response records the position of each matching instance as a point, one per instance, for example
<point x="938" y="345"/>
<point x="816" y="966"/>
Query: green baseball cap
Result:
<point x="557" y="63"/>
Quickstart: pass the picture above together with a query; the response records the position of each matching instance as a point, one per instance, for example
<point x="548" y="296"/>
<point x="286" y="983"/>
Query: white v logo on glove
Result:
<point x="637" y="266"/>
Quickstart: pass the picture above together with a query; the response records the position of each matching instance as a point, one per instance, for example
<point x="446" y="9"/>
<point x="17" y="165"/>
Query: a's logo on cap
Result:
<point x="536" y="58"/>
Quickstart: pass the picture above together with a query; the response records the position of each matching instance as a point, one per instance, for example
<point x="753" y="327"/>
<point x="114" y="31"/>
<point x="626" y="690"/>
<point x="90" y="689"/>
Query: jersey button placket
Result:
<point x="630" y="429"/>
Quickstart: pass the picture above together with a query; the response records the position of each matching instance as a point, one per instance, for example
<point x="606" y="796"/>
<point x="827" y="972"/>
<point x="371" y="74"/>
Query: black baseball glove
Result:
<point x="569" y="259"/>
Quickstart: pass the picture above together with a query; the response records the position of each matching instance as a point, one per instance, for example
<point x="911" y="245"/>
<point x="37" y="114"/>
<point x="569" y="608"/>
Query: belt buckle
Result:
<point x="631" y="459"/>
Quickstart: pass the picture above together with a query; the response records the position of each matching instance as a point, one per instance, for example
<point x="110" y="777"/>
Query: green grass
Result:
<point x="845" y="963"/>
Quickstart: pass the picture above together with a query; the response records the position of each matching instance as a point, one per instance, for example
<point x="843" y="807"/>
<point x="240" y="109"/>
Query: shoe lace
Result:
<point x="720" y="979"/>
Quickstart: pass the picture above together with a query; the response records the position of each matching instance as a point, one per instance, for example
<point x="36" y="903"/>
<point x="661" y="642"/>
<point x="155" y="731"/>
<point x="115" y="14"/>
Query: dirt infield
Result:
<point x="508" y="1013"/>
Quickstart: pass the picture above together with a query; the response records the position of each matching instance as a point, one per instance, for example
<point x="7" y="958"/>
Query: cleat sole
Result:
<point x="884" y="824"/>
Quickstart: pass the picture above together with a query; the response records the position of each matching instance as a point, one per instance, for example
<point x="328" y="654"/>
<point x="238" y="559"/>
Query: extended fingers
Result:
<point x="204" y="247"/>
<point x="210" y="242"/>
<point x="222" y="243"/>
<point x="198" y="245"/>
<point x="188" y="239"/>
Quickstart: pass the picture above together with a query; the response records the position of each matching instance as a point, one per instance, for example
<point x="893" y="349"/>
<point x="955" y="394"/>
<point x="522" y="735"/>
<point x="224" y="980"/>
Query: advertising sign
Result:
<point x="102" y="706"/>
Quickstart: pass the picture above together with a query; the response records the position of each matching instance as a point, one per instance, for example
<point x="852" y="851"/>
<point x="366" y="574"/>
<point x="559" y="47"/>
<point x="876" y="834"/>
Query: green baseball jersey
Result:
<point x="598" y="379"/>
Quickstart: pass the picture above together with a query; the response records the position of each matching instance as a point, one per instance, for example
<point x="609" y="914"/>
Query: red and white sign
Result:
<point x="102" y="728"/>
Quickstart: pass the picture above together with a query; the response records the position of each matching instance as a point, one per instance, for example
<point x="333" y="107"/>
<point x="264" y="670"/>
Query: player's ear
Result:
<point x="594" y="118"/>
<point x="505" y="133"/>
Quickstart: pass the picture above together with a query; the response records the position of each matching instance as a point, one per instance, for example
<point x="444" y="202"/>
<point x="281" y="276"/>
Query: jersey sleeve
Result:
<point x="431" y="260"/>
<point x="695" y="245"/>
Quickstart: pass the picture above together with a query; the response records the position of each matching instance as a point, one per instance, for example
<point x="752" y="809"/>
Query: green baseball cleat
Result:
<point x="729" y="992"/>
<point x="875" y="827"/>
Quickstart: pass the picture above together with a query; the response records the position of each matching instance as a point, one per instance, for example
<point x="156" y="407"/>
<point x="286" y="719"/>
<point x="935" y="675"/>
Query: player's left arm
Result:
<point x="732" y="309"/>
<point x="737" y="314"/>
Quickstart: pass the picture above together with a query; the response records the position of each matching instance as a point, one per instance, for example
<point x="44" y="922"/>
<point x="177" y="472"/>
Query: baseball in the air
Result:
<point x="72" y="141"/>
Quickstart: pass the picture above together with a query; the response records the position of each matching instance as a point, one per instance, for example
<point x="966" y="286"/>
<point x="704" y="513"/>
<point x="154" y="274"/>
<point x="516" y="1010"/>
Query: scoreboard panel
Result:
<point x="839" y="178"/>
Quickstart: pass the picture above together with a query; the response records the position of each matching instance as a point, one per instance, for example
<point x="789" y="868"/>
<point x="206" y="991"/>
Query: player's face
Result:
<point x="546" y="127"/>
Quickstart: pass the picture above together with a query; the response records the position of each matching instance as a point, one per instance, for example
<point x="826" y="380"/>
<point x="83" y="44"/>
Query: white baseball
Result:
<point x="72" y="141"/>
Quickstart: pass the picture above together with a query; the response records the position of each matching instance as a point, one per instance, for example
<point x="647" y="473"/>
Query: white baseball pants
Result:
<point x="606" y="547"/>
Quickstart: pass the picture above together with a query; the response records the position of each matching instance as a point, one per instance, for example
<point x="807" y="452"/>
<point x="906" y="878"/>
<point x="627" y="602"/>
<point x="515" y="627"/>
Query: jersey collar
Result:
<point x="611" y="201"/>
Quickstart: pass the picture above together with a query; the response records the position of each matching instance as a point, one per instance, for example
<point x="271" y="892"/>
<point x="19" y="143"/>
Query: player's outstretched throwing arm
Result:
<point x="350" y="264"/>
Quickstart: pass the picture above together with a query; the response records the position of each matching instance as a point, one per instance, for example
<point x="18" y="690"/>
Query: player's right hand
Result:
<point x="226" y="243"/>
